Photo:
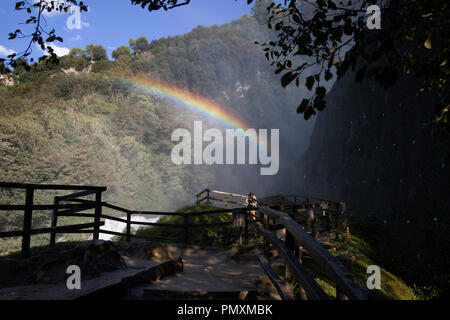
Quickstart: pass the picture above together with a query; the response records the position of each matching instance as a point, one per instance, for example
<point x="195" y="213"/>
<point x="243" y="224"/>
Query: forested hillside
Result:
<point x="77" y="124"/>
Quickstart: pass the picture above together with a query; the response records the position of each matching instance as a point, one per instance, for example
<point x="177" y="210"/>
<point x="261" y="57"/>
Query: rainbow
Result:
<point x="185" y="98"/>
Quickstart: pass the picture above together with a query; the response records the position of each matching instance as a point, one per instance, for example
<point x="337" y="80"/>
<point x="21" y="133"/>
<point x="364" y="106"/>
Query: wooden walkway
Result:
<point x="291" y="225"/>
<point x="60" y="292"/>
<point x="207" y="274"/>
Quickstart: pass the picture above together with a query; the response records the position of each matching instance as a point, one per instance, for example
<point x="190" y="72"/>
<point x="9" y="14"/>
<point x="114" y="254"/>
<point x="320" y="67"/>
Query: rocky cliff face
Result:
<point x="374" y="149"/>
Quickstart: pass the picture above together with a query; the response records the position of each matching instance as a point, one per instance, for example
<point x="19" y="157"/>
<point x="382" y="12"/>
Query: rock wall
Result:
<point x="375" y="149"/>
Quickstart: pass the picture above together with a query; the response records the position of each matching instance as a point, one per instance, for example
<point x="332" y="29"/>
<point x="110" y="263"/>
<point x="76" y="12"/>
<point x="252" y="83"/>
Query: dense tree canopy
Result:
<point x="121" y="51"/>
<point x="96" y="52"/>
<point x="139" y="45"/>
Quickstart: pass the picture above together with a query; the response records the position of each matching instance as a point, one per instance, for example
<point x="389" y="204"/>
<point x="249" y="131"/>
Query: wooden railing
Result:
<point x="73" y="205"/>
<point x="221" y="199"/>
<point x="296" y="242"/>
<point x="321" y="217"/>
<point x="29" y="207"/>
<point x="303" y="212"/>
<point x="185" y="227"/>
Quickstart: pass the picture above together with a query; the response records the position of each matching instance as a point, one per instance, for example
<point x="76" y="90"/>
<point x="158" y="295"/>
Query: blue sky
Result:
<point x="113" y="22"/>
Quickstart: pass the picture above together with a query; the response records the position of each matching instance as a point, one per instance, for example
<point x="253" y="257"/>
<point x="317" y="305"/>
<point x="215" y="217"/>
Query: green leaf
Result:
<point x="308" y="113"/>
<point x="321" y="91"/>
<point x="302" y="107"/>
<point x="319" y="103"/>
<point x="279" y="70"/>
<point x="19" y="4"/>
<point x="310" y="82"/>
<point x="332" y="5"/>
<point x="287" y="78"/>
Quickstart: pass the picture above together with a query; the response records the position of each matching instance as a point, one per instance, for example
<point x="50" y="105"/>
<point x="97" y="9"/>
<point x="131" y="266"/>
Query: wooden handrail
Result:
<point x="221" y="195"/>
<point x="105" y="216"/>
<point x="60" y="229"/>
<point x="21" y="207"/>
<point x="328" y="263"/>
<point x="117" y="208"/>
<point x="161" y="213"/>
<point x="306" y="198"/>
<point x="13" y="185"/>
<point x="76" y="195"/>
<point x="314" y="291"/>
<point x="198" y="194"/>
<point x="228" y="193"/>
<point x="275" y="279"/>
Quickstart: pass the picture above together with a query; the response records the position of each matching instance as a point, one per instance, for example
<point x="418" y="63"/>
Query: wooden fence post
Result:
<point x="336" y="221"/>
<point x="266" y="242"/>
<point x="207" y="196"/>
<point x="246" y="227"/>
<point x="347" y="260"/>
<point x="241" y="237"/>
<point x="128" y="226"/>
<point x="54" y="221"/>
<point x="27" y="219"/>
<point x="343" y="213"/>
<point x="186" y="228"/>
<point x="312" y="222"/>
<point x="301" y="290"/>
<point x="288" y="273"/>
<point x="98" y="213"/>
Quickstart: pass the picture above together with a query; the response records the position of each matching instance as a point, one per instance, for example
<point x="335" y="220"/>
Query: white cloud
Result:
<point x="5" y="52"/>
<point x="75" y="23"/>
<point x="75" y="20"/>
<point x="76" y="38"/>
<point x="59" y="51"/>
